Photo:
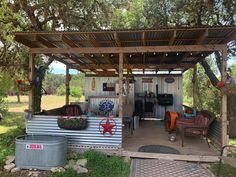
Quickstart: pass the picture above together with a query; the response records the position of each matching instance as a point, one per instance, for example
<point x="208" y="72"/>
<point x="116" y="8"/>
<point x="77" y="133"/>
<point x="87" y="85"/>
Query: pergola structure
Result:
<point x="126" y="52"/>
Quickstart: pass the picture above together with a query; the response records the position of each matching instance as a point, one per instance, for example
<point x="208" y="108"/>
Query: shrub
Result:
<point x="76" y="92"/>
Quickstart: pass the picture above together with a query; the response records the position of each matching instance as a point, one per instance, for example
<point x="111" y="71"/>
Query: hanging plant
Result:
<point x="69" y="123"/>
<point x="25" y="85"/>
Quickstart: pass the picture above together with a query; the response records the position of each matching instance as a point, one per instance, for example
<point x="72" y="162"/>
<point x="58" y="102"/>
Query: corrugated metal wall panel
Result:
<point x="214" y="132"/>
<point x="174" y="88"/>
<point x="47" y="125"/>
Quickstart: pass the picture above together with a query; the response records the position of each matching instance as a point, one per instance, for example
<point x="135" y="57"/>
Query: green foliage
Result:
<point x="99" y="165"/>
<point x="76" y="92"/>
<point x="7" y="140"/>
<point x="52" y="82"/>
<point x="61" y="90"/>
<point x="226" y="170"/>
<point x="209" y="96"/>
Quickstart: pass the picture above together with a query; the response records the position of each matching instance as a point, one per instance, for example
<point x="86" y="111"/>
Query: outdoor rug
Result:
<point x="165" y="168"/>
<point x="158" y="149"/>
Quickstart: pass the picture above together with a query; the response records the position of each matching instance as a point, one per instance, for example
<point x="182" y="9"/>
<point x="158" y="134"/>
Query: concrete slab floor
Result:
<point x="153" y="133"/>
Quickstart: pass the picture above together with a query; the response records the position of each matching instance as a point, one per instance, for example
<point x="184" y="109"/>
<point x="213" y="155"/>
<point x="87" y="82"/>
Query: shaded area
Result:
<point x="158" y="149"/>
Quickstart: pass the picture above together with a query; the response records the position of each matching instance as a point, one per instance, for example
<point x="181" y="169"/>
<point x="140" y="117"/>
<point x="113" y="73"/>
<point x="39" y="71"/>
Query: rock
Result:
<point x="14" y="170"/>
<point x="9" y="167"/>
<point x="33" y="173"/>
<point x="81" y="162"/>
<point x="70" y="164"/>
<point x="9" y="159"/>
<point x="80" y="169"/>
<point x="57" y="169"/>
<point x="127" y="160"/>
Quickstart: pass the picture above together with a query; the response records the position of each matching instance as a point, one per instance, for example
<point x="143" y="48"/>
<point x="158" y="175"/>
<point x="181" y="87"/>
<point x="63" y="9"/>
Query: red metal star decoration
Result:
<point x="108" y="126"/>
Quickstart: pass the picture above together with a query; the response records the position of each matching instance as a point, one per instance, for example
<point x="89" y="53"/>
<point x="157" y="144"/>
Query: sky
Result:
<point x="60" y="68"/>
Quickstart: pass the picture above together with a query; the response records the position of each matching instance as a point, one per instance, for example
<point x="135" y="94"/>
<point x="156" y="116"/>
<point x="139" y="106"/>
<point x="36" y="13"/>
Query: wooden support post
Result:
<point x="67" y="85"/>
<point x="121" y="55"/>
<point x="31" y="77"/>
<point x="127" y="87"/>
<point x="224" y="132"/>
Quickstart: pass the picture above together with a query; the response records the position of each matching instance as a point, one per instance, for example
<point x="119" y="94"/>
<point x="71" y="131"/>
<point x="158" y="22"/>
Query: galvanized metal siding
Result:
<point x="94" y="103"/>
<point x="98" y="91"/>
<point x="175" y="88"/>
<point x="91" y="136"/>
<point x="214" y="132"/>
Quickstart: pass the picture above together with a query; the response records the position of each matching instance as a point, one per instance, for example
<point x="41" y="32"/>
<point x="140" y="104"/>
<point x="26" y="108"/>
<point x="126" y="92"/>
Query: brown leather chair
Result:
<point x="197" y="126"/>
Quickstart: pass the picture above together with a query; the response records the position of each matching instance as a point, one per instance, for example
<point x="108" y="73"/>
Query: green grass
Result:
<point x="12" y="125"/>
<point x="99" y="165"/>
<point x="226" y="170"/>
<point x="48" y="102"/>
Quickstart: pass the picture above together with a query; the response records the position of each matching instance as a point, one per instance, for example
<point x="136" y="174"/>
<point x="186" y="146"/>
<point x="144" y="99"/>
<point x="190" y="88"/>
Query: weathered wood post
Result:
<point x="31" y="77"/>
<point x="127" y="87"/>
<point x="121" y="55"/>
<point x="67" y="85"/>
<point x="224" y="132"/>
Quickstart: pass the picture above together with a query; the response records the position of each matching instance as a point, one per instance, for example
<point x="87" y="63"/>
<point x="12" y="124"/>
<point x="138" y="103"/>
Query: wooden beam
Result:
<point x="138" y="66"/>
<point x="96" y="44"/>
<point x="67" y="85"/>
<point x="173" y="37"/>
<point x="192" y="158"/>
<point x="70" y="43"/>
<point x="120" y="85"/>
<point x="151" y="49"/>
<point x="118" y="43"/>
<point x="224" y="124"/>
<point x="23" y="40"/>
<point x="200" y="39"/>
<point x="31" y="77"/>
<point x="229" y="37"/>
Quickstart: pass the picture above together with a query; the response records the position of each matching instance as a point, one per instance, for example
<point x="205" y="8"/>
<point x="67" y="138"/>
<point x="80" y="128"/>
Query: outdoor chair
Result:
<point x="128" y="118"/>
<point x="229" y="160"/>
<point x="197" y="126"/>
<point x="71" y="110"/>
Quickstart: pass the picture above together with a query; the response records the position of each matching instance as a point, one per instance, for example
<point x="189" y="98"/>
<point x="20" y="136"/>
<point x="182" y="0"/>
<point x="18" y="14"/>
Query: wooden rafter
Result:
<point x="139" y="49"/>
<point x="70" y="43"/>
<point x="200" y="39"/>
<point x="171" y="42"/>
<point x="119" y="44"/>
<point x="139" y="66"/>
<point x="96" y="44"/>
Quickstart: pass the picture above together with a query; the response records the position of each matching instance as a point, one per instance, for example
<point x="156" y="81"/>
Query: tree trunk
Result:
<point x="18" y="97"/>
<point x="196" y="101"/>
<point x="209" y="72"/>
<point x="231" y="109"/>
<point x="39" y="76"/>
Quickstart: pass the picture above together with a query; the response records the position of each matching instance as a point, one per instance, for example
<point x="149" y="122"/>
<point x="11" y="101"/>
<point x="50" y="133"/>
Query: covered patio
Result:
<point x="129" y="53"/>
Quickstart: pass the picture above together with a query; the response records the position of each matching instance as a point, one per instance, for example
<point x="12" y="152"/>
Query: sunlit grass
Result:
<point x="48" y="102"/>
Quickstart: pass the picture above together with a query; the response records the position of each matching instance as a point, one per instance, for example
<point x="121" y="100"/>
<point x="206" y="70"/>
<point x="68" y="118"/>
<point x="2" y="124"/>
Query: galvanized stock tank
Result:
<point x="41" y="152"/>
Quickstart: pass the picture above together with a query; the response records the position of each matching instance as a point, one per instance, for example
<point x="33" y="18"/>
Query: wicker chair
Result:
<point x="197" y="126"/>
<point x="71" y="110"/>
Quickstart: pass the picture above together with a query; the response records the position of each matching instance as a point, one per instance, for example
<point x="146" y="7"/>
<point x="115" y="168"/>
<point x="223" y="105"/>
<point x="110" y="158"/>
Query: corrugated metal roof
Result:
<point x="129" y="38"/>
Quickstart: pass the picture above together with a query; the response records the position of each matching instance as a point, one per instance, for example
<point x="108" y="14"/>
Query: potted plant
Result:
<point x="72" y="123"/>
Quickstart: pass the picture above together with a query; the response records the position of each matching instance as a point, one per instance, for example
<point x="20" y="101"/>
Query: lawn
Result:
<point x="12" y="125"/>
<point x="48" y="102"/>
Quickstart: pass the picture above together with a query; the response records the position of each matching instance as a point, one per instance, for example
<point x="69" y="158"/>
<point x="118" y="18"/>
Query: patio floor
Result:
<point x="152" y="132"/>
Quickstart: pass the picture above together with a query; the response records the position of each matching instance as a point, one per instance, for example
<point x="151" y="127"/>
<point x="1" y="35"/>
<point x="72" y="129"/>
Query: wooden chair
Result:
<point x="229" y="160"/>
<point x="197" y="126"/>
